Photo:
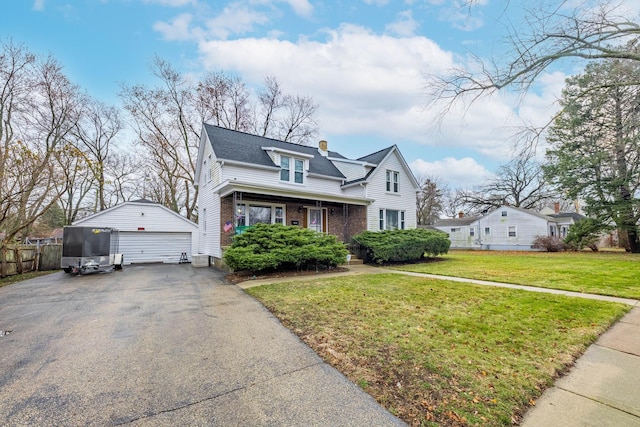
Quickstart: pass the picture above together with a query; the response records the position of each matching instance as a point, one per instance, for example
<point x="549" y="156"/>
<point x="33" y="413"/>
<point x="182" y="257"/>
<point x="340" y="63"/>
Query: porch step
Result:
<point x="355" y="260"/>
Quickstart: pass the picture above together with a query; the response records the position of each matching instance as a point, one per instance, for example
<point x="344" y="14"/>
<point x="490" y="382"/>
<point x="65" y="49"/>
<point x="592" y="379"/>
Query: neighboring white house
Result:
<point x="148" y="232"/>
<point x="505" y="228"/>
<point x="245" y="179"/>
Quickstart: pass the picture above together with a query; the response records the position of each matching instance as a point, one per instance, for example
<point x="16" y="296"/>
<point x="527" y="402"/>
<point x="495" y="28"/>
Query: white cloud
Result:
<point x="171" y="3"/>
<point x="456" y="173"/>
<point x="404" y="25"/>
<point x="178" y="29"/>
<point x="363" y="82"/>
<point x="301" y="7"/>
<point x="38" y="5"/>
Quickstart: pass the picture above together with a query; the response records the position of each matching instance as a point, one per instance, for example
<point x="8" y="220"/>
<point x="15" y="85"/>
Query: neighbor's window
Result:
<point x="455" y="230"/>
<point x="512" y="231"/>
<point x="393" y="181"/>
<point x="472" y="231"/>
<point x="504" y="213"/>
<point x="487" y="231"/>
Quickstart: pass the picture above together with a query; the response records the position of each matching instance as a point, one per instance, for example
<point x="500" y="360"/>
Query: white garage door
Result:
<point x="145" y="246"/>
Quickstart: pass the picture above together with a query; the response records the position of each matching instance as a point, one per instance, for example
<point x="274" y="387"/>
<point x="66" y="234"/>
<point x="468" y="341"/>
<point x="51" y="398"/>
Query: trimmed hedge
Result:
<point x="280" y="247"/>
<point x="402" y="245"/>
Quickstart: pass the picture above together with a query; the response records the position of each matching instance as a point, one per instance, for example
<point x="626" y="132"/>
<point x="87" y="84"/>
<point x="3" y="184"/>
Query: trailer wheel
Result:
<point x="67" y="270"/>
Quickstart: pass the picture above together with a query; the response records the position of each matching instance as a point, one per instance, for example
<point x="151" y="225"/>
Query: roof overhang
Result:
<point x="228" y="187"/>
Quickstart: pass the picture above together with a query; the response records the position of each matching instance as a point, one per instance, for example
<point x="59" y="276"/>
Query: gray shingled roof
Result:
<point x="454" y="222"/>
<point x="376" y="157"/>
<point x="576" y="216"/>
<point x="242" y="147"/>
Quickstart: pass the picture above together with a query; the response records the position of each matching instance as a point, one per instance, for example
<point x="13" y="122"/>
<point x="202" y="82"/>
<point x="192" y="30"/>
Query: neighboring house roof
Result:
<point x="248" y="149"/>
<point x="455" y="222"/>
<point x="575" y="216"/>
<point x="527" y="211"/>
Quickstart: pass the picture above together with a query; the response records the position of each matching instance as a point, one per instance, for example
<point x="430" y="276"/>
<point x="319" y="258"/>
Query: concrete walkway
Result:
<point x="603" y="387"/>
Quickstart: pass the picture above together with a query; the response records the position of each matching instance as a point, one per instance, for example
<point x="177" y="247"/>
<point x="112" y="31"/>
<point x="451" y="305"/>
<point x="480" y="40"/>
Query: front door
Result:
<point x="316" y="219"/>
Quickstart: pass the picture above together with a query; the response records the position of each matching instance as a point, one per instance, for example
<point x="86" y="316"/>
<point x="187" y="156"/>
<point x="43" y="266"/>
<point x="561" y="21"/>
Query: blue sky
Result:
<point x="362" y="61"/>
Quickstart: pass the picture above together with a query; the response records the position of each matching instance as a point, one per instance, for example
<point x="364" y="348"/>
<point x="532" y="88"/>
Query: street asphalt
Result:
<point x="161" y="345"/>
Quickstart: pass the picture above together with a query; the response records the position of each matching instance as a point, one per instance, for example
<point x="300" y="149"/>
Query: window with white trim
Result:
<point x="254" y="213"/>
<point x="487" y="231"/>
<point x="286" y="165"/>
<point x="391" y="219"/>
<point x="393" y="181"/>
<point x="472" y="231"/>
<point x="512" y="231"/>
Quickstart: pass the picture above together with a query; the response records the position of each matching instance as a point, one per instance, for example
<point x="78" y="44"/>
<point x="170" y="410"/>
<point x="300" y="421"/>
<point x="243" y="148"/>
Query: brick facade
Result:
<point x="296" y="214"/>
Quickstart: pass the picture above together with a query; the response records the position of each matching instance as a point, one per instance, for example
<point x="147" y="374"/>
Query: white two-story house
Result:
<point x="245" y="179"/>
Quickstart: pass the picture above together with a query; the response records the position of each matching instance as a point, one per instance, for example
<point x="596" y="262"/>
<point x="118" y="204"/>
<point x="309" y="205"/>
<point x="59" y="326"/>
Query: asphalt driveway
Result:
<point x="161" y="345"/>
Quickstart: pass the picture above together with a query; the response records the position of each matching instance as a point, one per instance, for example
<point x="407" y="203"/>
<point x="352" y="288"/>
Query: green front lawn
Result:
<point x="441" y="353"/>
<point x="616" y="274"/>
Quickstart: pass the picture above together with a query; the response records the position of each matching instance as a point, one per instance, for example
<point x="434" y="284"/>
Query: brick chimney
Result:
<point x="460" y="214"/>
<point x="323" y="148"/>
<point x="556" y="207"/>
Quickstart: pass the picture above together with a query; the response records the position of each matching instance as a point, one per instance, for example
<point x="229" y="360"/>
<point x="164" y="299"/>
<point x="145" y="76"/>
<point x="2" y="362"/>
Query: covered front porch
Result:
<point x="243" y="209"/>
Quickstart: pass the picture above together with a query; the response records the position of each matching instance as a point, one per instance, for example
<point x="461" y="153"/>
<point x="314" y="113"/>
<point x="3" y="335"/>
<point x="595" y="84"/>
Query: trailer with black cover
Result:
<point x="90" y="250"/>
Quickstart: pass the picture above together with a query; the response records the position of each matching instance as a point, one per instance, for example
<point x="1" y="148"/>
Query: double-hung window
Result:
<point x="286" y="165"/>
<point x="285" y="168"/>
<point x="512" y="231"/>
<point x="393" y="181"/>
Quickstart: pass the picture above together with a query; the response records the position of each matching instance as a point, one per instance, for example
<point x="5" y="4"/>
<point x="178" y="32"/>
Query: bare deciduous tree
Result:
<point x="94" y="136"/>
<point x="167" y="126"/>
<point x="38" y="108"/>
<point x="430" y="200"/>
<point x="550" y="32"/>
<point x="519" y="183"/>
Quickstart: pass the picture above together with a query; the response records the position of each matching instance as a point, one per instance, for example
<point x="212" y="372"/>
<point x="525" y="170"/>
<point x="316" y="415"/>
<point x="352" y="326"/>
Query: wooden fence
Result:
<point x="18" y="259"/>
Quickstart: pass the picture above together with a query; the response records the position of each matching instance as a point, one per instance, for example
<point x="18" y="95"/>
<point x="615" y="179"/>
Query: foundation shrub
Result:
<point x="390" y="246"/>
<point x="280" y="247"/>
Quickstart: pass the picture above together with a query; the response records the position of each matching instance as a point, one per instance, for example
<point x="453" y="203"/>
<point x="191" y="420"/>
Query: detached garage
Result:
<point x="148" y="231"/>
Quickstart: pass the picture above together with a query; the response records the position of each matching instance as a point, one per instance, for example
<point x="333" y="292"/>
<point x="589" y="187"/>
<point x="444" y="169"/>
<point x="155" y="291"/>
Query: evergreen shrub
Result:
<point x="387" y="246"/>
<point x="279" y="247"/>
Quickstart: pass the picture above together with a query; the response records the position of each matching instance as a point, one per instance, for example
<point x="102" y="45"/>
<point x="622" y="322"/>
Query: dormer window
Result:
<point x="286" y="166"/>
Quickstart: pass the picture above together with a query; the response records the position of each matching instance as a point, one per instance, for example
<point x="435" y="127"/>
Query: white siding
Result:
<point x="460" y="236"/>
<point x="349" y="169"/>
<point x="527" y="226"/>
<point x="404" y="200"/>
<point x="272" y="178"/>
<point x="151" y="217"/>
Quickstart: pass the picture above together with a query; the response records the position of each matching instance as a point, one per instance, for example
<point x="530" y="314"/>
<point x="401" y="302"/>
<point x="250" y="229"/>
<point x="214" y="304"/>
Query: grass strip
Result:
<point x="441" y="353"/>
<point x="25" y="276"/>
<point x="615" y="274"/>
